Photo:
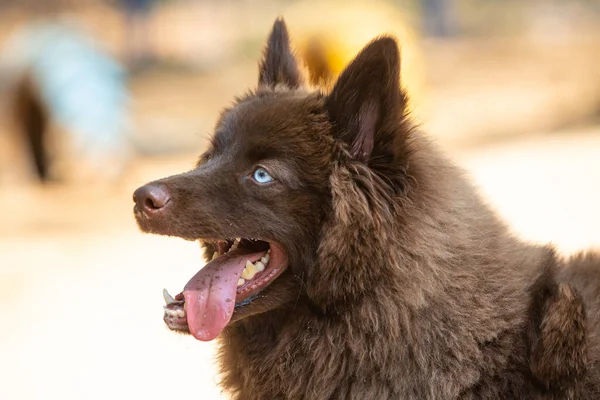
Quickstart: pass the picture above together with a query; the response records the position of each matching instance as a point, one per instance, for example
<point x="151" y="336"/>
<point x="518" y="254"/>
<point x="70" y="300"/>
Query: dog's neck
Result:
<point x="415" y="244"/>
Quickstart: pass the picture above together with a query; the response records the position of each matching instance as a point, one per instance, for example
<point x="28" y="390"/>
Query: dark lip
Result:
<point x="249" y="300"/>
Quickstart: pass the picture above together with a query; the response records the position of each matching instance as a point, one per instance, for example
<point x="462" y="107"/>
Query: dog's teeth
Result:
<point x="180" y="313"/>
<point x="168" y="298"/>
<point x="269" y="251"/>
<point x="241" y="282"/>
<point x="265" y="259"/>
<point x="245" y="274"/>
<point x="249" y="271"/>
<point x="171" y="313"/>
<point x="215" y="255"/>
<point x="259" y="266"/>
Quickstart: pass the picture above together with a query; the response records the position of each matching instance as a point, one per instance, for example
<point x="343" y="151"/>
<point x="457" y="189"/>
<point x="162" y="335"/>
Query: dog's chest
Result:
<point x="316" y="364"/>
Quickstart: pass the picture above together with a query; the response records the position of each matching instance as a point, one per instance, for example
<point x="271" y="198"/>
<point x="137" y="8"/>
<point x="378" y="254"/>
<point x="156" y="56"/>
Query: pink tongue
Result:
<point x="210" y="294"/>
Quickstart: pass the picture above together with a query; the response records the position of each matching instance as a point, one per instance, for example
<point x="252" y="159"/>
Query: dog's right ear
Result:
<point x="279" y="66"/>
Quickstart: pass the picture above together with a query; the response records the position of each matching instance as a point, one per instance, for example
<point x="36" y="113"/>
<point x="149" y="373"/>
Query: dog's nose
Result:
<point x="151" y="198"/>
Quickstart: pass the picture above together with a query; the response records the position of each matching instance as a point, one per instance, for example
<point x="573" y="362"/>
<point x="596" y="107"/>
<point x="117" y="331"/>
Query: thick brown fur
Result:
<point x="402" y="283"/>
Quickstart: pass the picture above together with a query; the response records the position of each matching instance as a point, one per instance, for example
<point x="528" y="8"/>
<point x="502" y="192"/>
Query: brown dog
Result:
<point x="366" y="266"/>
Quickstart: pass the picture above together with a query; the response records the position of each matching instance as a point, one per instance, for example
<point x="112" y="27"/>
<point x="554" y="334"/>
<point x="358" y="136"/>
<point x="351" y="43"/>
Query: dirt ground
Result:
<point x="81" y="300"/>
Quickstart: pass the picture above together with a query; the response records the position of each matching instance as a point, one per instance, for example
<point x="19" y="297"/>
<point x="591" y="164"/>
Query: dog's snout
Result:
<point x="151" y="198"/>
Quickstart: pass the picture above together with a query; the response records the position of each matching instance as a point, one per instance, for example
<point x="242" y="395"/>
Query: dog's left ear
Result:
<point x="367" y="105"/>
<point x="279" y="66"/>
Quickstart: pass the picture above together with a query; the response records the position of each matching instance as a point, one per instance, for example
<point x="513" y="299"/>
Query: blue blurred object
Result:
<point x="137" y="5"/>
<point x="82" y="87"/>
<point x="438" y="17"/>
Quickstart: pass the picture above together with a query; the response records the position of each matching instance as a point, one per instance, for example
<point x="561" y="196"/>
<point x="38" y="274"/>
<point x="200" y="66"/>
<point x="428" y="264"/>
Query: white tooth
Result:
<point x="237" y="240"/>
<point x="168" y="298"/>
<point x="269" y="252"/>
<point x="259" y="266"/>
<point x="215" y="255"/>
<point x="180" y="313"/>
<point x="265" y="259"/>
<point x="249" y="271"/>
<point x="245" y="274"/>
<point x="170" y="312"/>
<point x="241" y="282"/>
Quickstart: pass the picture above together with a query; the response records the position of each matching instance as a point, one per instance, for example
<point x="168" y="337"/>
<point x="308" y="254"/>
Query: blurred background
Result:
<point x="99" y="97"/>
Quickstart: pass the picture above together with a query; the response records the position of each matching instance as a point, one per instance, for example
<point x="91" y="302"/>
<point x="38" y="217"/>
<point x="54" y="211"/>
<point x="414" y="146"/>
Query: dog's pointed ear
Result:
<point x="367" y="104"/>
<point x="279" y="66"/>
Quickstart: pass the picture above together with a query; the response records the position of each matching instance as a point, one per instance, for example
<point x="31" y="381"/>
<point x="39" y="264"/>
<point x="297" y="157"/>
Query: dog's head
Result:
<point x="261" y="194"/>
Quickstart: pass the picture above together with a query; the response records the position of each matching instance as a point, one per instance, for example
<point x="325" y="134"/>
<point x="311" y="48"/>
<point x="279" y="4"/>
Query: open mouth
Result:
<point x="239" y="270"/>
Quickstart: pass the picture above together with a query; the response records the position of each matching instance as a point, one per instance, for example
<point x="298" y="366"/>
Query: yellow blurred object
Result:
<point x="328" y="35"/>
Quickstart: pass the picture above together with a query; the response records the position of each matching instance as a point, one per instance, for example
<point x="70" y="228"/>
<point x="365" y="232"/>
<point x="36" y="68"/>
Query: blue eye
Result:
<point x="261" y="175"/>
